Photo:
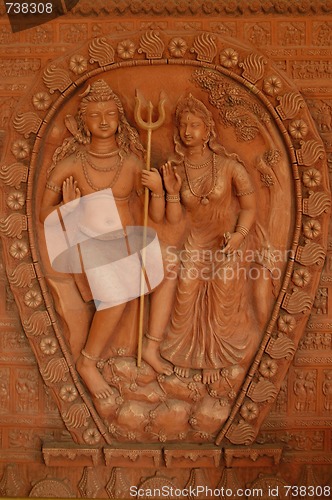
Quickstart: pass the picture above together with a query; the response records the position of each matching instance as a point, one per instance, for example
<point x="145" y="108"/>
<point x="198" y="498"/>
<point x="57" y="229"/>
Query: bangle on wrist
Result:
<point x="155" y="195"/>
<point x="242" y="230"/>
<point x="173" y="198"/>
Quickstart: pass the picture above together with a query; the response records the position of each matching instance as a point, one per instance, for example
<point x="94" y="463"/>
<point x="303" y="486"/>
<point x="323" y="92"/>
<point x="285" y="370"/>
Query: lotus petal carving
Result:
<point x="56" y="79"/>
<point x="13" y="225"/>
<point x="27" y="123"/>
<point x="316" y="203"/>
<point x="55" y="371"/>
<point x="22" y="276"/>
<point x="101" y="51"/>
<point x="13" y="175"/>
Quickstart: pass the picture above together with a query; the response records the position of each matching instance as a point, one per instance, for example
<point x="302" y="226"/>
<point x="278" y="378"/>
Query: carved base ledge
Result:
<point x="20" y="457"/>
<point x="260" y="456"/>
<point x="203" y="456"/>
<point x="300" y="457"/>
<point x="71" y="455"/>
<point x="134" y="456"/>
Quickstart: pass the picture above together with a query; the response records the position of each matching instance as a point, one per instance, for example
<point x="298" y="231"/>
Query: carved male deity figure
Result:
<point x="104" y="156"/>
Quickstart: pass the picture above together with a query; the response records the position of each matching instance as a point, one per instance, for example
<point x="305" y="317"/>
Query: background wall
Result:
<point x="297" y="36"/>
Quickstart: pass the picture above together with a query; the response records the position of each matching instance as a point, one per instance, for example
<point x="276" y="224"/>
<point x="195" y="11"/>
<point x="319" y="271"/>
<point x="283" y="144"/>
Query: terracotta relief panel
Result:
<point x="251" y="104"/>
<point x="212" y="365"/>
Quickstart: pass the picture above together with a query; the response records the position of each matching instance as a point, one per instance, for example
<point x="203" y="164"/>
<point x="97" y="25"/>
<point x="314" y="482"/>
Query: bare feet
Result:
<point x="151" y="354"/>
<point x="210" y="376"/>
<point x="92" y="378"/>
<point x="182" y="372"/>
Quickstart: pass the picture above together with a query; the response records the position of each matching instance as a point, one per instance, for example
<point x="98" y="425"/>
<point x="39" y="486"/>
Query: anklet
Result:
<point x="150" y="337"/>
<point x="88" y="356"/>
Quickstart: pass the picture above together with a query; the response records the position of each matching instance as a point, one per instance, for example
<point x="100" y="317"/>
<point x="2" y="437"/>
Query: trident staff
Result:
<point x="149" y="126"/>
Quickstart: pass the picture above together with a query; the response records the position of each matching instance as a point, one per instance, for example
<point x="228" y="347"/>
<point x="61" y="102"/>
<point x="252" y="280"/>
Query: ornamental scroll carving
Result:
<point x="259" y="143"/>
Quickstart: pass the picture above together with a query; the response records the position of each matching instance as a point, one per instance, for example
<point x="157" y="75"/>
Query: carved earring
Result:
<point x="87" y="135"/>
<point x="206" y="140"/>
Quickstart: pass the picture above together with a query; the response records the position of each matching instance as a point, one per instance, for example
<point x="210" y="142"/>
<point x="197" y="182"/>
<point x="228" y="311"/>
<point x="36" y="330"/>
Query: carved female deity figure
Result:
<point x="213" y="324"/>
<point x="104" y="155"/>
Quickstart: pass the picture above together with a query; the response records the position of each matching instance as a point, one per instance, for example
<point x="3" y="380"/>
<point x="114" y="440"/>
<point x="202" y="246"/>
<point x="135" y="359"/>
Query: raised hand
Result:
<point x="70" y="190"/>
<point x="152" y="180"/>
<point x="172" y="180"/>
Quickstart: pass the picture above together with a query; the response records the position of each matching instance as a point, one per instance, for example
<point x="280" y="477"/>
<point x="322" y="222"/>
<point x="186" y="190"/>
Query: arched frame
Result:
<point x="212" y="61"/>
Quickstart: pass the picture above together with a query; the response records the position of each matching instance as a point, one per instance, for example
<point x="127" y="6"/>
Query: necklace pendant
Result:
<point x="205" y="200"/>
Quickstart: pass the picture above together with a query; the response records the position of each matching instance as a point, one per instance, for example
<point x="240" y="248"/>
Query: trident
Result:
<point x="148" y="125"/>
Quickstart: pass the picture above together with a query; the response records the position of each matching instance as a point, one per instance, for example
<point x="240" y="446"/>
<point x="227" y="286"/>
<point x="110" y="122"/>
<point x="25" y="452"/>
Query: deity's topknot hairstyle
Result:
<point x="126" y="136"/>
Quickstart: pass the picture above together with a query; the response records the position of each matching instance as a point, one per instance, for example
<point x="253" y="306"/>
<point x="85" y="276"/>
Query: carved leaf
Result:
<point x="263" y="390"/>
<point x="281" y="347"/>
<point x="205" y="47"/>
<point x="311" y="253"/>
<point x="297" y="302"/>
<point x="316" y="204"/>
<point x="13" y="225"/>
<point x="23" y="275"/>
<point x="228" y="480"/>
<point x="253" y="66"/>
<point x="310" y="153"/>
<point x="241" y="433"/>
<point x="101" y="51"/>
<point x="55" y="371"/>
<point x="27" y="123"/>
<point x="152" y="45"/>
<point x="14" y="174"/>
<point x="56" y="79"/>
<point x="118" y="484"/>
<point x="37" y="324"/>
<point x="290" y="105"/>
<point x="11" y="484"/>
<point x="76" y="416"/>
<point x="89" y="484"/>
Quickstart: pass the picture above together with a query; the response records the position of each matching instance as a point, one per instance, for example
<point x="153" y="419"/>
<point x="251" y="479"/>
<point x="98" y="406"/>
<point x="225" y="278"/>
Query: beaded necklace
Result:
<point x="89" y="181"/>
<point x="203" y="197"/>
<point x="101" y="169"/>
<point x="103" y="155"/>
<point x="201" y="165"/>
